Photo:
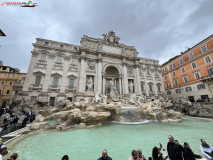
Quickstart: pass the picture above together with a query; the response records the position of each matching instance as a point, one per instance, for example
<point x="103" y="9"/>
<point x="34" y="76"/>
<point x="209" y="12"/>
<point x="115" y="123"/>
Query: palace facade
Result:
<point x="59" y="71"/>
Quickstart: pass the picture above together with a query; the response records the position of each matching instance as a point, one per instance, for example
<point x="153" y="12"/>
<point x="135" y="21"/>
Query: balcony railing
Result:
<point x="36" y="87"/>
<point x="207" y="78"/>
<point x="71" y="89"/>
<point x="55" y="88"/>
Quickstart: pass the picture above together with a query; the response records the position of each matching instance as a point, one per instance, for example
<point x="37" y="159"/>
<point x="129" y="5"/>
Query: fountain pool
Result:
<point x="118" y="139"/>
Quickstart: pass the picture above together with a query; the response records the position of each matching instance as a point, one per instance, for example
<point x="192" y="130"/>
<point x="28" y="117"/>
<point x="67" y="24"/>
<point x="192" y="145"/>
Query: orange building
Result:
<point x="190" y="75"/>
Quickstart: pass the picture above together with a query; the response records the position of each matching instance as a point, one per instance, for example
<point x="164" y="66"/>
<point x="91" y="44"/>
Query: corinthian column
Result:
<point x="81" y="84"/>
<point x="99" y="74"/>
<point x="30" y="70"/>
<point x="137" y="78"/>
<point x="125" y="79"/>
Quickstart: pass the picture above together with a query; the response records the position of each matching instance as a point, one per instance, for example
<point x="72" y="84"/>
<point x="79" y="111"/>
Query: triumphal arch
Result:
<point x="60" y="71"/>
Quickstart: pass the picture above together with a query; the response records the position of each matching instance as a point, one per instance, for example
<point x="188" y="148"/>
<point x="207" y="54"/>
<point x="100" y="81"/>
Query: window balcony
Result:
<point x="70" y="89"/>
<point x="37" y="87"/>
<point x="151" y="93"/>
<point x="207" y="78"/>
<point x="55" y="88"/>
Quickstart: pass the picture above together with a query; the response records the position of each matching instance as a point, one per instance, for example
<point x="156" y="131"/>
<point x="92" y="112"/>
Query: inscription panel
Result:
<point x="111" y="49"/>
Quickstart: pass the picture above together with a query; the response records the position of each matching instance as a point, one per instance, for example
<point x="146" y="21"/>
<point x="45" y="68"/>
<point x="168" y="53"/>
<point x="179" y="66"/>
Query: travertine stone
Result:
<point x="66" y="69"/>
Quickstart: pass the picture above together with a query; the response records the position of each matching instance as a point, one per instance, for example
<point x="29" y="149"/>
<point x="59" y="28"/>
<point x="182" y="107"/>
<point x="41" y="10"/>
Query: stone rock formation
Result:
<point x="98" y="111"/>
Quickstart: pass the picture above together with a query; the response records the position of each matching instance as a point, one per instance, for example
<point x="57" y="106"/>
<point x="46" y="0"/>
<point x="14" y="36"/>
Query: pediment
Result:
<point x="71" y="76"/>
<point x="56" y="75"/>
<point x="39" y="73"/>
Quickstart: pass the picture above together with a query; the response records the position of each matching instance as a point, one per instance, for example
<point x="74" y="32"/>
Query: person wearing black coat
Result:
<point x="172" y="148"/>
<point x="188" y="154"/>
<point x="180" y="149"/>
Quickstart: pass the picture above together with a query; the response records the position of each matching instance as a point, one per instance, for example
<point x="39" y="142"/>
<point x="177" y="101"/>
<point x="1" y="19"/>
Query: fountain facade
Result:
<point x="60" y="71"/>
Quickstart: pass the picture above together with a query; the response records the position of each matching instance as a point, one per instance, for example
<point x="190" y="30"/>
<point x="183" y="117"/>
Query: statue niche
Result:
<point x="90" y="85"/>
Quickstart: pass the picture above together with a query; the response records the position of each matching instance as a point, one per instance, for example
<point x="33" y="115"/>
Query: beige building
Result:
<point x="60" y="71"/>
<point x="11" y="82"/>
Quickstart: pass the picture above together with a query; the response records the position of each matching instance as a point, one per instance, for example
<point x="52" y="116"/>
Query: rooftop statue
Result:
<point x="111" y="38"/>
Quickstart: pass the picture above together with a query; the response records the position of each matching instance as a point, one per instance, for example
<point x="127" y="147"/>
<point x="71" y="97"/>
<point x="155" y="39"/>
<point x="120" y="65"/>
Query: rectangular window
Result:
<point x="183" y="70"/>
<point x="201" y="86"/>
<point x="204" y="49"/>
<point x="169" y="92"/>
<point x="59" y="59"/>
<point x="191" y="56"/>
<point x="178" y="91"/>
<point x="197" y="75"/>
<point x="208" y="59"/>
<point x="150" y="88"/>
<point x="8" y="92"/>
<point x="164" y="70"/>
<point x="188" y="89"/>
<point x="37" y="80"/>
<point x="181" y="61"/>
<point x="13" y="75"/>
<point x="71" y="83"/>
<point x="173" y="74"/>
<point x="55" y="81"/>
<point x="6" y="74"/>
<point x="11" y="83"/>
<point x="176" y="82"/>
<point x="142" y="87"/>
<point x="185" y="78"/>
<point x="172" y="66"/>
<point x="210" y="71"/>
<point x="159" y="90"/>
<point x="43" y="57"/>
<point x="165" y="77"/>
<point x="167" y="84"/>
<point x="46" y="43"/>
<point x="194" y="65"/>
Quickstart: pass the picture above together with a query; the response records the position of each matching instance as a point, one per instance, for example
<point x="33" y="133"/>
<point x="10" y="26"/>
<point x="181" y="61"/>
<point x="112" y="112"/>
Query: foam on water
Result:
<point x="145" y="121"/>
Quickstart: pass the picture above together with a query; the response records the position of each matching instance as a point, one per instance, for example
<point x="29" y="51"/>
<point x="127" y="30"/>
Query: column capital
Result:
<point x="34" y="53"/>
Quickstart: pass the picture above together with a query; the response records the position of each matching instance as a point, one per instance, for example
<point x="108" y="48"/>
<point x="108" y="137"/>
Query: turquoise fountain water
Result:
<point x="118" y="139"/>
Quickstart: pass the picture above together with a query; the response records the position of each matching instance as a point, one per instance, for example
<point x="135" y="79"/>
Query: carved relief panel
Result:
<point x="91" y="65"/>
<point x="130" y="70"/>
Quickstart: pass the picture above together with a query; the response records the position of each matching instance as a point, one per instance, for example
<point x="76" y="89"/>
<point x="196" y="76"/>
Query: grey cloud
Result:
<point x="158" y="29"/>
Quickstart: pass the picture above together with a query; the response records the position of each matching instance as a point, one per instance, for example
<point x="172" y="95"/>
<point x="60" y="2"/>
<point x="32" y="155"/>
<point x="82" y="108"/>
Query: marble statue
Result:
<point x="131" y="87"/>
<point x="132" y="98"/>
<point x="97" y="98"/>
<point x="90" y="85"/>
<point x="104" y="99"/>
<point x="113" y="91"/>
<point x="139" y="100"/>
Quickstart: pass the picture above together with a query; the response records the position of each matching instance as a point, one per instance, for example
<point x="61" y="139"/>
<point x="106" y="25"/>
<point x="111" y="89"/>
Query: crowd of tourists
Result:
<point x="12" y="122"/>
<point x="175" y="151"/>
<point x="4" y="152"/>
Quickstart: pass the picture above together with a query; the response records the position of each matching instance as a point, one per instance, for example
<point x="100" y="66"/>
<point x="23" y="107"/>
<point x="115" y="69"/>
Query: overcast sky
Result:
<point x="159" y="29"/>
